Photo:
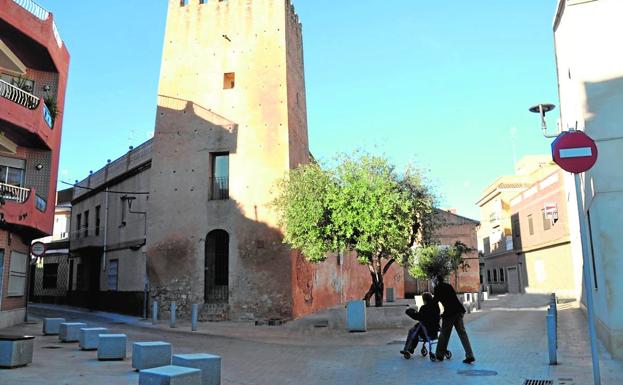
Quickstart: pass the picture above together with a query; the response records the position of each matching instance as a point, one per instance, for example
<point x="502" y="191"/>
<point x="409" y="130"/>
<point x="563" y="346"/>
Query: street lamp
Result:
<point x="542" y="109"/>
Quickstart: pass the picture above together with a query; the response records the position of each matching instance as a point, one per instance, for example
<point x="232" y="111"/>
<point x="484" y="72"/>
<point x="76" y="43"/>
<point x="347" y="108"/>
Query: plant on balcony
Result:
<point x="431" y="261"/>
<point x="362" y="207"/>
<point x="50" y="102"/>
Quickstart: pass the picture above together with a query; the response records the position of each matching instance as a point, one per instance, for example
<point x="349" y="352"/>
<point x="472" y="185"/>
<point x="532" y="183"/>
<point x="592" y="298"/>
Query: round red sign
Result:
<point x="38" y="249"/>
<point x="574" y="151"/>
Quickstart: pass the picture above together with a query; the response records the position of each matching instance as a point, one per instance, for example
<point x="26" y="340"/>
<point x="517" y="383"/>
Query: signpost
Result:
<point x="576" y="152"/>
<point x="38" y="249"/>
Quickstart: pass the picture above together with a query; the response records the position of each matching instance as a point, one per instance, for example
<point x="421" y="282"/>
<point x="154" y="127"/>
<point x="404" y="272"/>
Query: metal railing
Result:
<point x="40" y="13"/>
<point x="14" y="193"/>
<point x="19" y="96"/>
<point x="219" y="188"/>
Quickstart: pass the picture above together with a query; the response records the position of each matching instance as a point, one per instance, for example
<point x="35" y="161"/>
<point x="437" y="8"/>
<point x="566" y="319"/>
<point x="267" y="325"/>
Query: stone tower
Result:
<point x="231" y="121"/>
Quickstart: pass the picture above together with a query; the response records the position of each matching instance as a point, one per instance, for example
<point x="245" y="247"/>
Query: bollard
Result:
<point x="195" y="311"/>
<point x="154" y="312"/>
<point x="551" y="339"/>
<point x="173" y="311"/>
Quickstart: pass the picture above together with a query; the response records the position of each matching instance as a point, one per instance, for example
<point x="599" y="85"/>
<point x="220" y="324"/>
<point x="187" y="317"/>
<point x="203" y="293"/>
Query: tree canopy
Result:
<point x="361" y="204"/>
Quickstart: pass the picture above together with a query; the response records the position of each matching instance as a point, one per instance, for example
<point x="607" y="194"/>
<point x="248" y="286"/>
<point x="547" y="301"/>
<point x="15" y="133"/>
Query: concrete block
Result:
<point x="111" y="346"/>
<point x="170" y="375"/>
<point x="356" y="316"/>
<point x="389" y="294"/>
<point x="70" y="331"/>
<point x="15" y="351"/>
<point x="209" y="364"/>
<point x="485" y="296"/>
<point x="467" y="307"/>
<point x="89" y="337"/>
<point x="147" y="355"/>
<point x="51" y="325"/>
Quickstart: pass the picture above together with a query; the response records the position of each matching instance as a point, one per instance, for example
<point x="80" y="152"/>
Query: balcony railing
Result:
<point x="219" y="188"/>
<point x="40" y="13"/>
<point x="19" y="96"/>
<point x="14" y="193"/>
<point x="47" y="116"/>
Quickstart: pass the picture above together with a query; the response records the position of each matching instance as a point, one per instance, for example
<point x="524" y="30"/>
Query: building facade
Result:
<point x="33" y="76"/>
<point x="524" y="239"/>
<point x="590" y="80"/>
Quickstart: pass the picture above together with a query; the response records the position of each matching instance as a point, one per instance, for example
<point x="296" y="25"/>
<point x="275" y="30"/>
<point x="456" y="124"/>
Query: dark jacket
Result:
<point x="428" y="316"/>
<point x="445" y="294"/>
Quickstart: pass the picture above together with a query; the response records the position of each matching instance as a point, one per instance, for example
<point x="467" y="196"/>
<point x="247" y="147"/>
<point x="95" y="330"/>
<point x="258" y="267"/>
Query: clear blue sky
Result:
<point x="440" y="84"/>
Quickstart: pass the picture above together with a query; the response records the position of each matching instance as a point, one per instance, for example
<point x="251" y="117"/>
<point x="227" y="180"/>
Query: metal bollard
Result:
<point x="173" y="311"/>
<point x="551" y="339"/>
<point x="195" y="313"/>
<point x="154" y="312"/>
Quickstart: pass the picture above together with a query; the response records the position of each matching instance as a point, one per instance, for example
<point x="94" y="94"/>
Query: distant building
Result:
<point x="590" y="84"/>
<point x="33" y="75"/>
<point x="524" y="232"/>
<point x="455" y="228"/>
<point x="50" y="274"/>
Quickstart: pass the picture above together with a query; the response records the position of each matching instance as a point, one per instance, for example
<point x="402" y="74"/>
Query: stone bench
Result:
<point x="70" y="331"/>
<point x="15" y="351"/>
<point x="147" y="355"/>
<point x="52" y="325"/>
<point x="209" y="364"/>
<point x="111" y="347"/>
<point x="89" y="337"/>
<point x="170" y="375"/>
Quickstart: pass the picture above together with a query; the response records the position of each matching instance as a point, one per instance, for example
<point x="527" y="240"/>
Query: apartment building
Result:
<point x="33" y="76"/>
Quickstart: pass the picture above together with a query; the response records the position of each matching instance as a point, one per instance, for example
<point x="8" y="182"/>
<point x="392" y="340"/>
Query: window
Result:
<point x="220" y="177"/>
<point x="113" y="274"/>
<point x="183" y="3"/>
<point x="78" y="224"/>
<point x="495" y="275"/>
<point x="86" y="223"/>
<point x="229" y="80"/>
<point x="547" y="223"/>
<point x="97" y="220"/>
<point x="501" y="275"/>
<point x="17" y="274"/>
<point x="488" y="275"/>
<point x="530" y="225"/>
<point x="12" y="171"/>
<point x="487" y="245"/>
<point x="50" y="274"/>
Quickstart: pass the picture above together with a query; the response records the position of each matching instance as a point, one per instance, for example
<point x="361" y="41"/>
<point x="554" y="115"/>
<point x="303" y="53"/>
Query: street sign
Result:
<point x="574" y="151"/>
<point x="38" y="249"/>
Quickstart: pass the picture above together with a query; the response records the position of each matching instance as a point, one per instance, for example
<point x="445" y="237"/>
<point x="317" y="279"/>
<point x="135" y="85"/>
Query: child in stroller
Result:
<point x="426" y="330"/>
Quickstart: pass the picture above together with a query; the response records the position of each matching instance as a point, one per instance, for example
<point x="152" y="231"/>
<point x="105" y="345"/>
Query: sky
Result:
<point x="443" y="85"/>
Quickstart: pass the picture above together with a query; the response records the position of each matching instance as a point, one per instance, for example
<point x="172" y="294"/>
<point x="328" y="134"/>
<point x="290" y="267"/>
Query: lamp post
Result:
<point x="542" y="109"/>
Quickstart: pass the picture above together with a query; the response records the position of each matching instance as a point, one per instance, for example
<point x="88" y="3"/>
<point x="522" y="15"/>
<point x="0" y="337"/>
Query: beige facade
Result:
<point x="523" y="249"/>
<point x="590" y="79"/>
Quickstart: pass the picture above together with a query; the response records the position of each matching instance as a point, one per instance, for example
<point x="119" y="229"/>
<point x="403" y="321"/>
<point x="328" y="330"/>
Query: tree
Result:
<point x="361" y="204"/>
<point x="429" y="261"/>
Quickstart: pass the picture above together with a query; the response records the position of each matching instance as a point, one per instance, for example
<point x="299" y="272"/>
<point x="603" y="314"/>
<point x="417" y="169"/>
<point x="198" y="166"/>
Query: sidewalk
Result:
<point x="508" y="337"/>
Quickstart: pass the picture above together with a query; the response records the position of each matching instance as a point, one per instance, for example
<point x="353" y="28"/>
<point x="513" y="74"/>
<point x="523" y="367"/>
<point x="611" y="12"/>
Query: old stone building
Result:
<point x="187" y="216"/>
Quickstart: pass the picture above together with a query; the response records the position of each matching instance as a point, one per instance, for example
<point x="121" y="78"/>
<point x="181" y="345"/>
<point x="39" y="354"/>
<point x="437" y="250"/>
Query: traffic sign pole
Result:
<point x="588" y="281"/>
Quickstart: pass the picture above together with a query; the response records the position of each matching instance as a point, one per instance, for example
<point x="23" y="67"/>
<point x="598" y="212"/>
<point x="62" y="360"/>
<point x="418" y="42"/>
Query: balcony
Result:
<point x="13" y="193"/>
<point x="40" y="13"/>
<point x="19" y="96"/>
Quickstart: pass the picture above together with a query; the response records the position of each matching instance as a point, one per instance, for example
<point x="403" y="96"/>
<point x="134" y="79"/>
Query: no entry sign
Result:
<point x="574" y="151"/>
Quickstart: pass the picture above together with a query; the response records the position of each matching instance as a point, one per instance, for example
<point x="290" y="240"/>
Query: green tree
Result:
<point x="362" y="205"/>
<point x="429" y="261"/>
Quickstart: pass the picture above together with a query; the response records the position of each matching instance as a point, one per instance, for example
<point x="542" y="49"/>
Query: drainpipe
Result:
<point x="105" y="231"/>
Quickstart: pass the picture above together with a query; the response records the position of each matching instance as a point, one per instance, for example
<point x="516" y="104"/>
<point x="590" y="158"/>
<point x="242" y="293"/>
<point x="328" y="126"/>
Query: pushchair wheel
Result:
<point x="432" y="357"/>
<point x="405" y="354"/>
<point x="424" y="351"/>
<point x="448" y="354"/>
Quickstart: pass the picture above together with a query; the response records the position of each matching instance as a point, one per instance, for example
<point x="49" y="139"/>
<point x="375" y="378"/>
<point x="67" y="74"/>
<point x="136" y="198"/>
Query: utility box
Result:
<point x="389" y="294"/>
<point x="356" y="316"/>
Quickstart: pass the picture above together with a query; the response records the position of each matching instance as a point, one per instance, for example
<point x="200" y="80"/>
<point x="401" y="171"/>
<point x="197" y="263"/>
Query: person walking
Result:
<point x="452" y="317"/>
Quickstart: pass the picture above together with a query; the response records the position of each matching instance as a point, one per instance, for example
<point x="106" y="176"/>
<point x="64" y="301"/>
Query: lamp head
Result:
<point x="542" y="108"/>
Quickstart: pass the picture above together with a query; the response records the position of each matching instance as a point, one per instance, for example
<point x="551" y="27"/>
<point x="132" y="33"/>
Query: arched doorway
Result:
<point x="217" y="267"/>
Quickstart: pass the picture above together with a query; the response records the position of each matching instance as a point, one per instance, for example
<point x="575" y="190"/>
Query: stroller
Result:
<point x="414" y="334"/>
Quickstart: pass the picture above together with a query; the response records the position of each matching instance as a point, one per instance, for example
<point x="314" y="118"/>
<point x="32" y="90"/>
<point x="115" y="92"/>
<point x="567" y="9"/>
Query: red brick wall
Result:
<point x="10" y="242"/>
<point x="319" y="286"/>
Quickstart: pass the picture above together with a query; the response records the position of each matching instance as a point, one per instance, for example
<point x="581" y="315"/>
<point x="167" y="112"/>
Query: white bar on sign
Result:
<point x="575" y="152"/>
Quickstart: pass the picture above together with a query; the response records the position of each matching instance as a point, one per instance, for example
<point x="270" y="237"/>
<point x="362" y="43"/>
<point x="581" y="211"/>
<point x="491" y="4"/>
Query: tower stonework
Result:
<point x="231" y="121"/>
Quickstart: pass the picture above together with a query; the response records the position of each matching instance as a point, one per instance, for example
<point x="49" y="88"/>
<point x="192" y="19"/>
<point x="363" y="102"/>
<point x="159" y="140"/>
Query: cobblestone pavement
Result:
<point x="508" y="337"/>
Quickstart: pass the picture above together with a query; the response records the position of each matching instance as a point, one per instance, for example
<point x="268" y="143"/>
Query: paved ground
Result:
<point x="508" y="338"/>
